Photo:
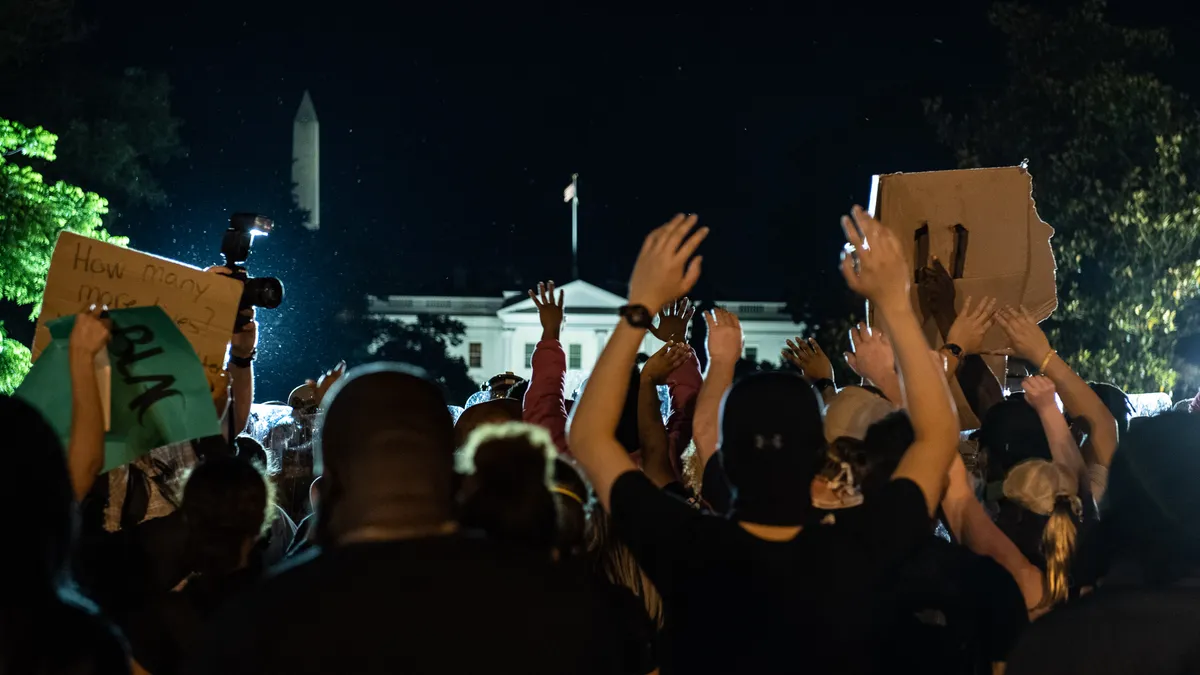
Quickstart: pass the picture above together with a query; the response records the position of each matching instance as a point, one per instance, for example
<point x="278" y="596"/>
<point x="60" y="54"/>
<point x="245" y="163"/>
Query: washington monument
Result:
<point x="306" y="162"/>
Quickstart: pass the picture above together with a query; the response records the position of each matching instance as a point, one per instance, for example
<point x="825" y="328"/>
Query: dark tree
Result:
<point x="425" y="344"/>
<point x="1112" y="149"/>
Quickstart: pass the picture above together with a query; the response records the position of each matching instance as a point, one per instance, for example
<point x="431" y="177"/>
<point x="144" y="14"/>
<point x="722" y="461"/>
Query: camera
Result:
<point x="235" y="249"/>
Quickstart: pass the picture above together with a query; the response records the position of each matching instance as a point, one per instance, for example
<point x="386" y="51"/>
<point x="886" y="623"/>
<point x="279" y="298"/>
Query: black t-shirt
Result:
<point x="1116" y="629"/>
<point x="736" y="603"/>
<point x="169" y="625"/>
<point x="958" y="612"/>
<point x="60" y="636"/>
<point x="452" y="604"/>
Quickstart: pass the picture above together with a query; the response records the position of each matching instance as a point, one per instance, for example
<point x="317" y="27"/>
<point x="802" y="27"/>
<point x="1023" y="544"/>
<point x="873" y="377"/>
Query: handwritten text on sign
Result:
<point x="84" y="272"/>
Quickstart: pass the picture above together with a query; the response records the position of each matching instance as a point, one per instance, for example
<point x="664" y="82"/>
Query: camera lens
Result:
<point x="263" y="292"/>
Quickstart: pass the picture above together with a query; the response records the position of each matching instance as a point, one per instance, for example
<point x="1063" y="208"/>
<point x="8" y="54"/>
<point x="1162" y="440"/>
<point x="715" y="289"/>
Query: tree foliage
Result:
<point x="425" y="343"/>
<point x="32" y="214"/>
<point x="1112" y="150"/>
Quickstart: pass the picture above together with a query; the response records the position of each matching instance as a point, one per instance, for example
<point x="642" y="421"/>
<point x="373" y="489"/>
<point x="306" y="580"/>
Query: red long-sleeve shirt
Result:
<point x="545" y="401"/>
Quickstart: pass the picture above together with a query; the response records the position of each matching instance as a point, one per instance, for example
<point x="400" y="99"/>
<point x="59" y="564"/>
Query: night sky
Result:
<point x="446" y="140"/>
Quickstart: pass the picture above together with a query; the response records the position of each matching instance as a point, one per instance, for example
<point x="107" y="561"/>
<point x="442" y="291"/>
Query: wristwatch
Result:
<point x="242" y="361"/>
<point x="956" y="352"/>
<point x="824" y="383"/>
<point x="637" y="316"/>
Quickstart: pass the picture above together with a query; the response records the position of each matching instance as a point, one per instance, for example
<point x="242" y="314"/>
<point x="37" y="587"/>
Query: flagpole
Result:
<point x="575" y="227"/>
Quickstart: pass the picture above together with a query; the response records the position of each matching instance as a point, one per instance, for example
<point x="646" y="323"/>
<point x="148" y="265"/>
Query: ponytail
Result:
<point x="1058" y="547"/>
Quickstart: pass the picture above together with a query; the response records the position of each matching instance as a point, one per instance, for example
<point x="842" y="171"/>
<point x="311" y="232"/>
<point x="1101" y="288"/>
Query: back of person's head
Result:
<point x="885" y="444"/>
<point x="496" y="411"/>
<point x="248" y="449"/>
<point x="852" y="411"/>
<point x="1117" y="402"/>
<point x="518" y="390"/>
<point x="1151" y="510"/>
<point x="1047" y="489"/>
<point x="505" y="492"/>
<point x="1010" y="434"/>
<point x="227" y="506"/>
<point x="838" y="484"/>
<point x="35" y="490"/>
<point x="45" y="628"/>
<point x="571" y="495"/>
<point x="771" y="444"/>
<point x="385" y="453"/>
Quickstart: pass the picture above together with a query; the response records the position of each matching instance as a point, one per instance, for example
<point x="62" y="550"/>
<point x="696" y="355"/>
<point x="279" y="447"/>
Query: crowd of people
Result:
<point x="927" y="519"/>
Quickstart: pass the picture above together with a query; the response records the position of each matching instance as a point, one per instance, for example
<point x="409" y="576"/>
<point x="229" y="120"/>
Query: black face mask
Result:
<point x="772" y="445"/>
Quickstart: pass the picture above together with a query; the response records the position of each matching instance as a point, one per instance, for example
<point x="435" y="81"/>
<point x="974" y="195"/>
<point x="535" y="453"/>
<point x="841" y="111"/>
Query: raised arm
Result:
<point x="242" y="348"/>
<point x="85" y="449"/>
<point x="724" y="342"/>
<point x="684" y="382"/>
<point x="684" y="385"/>
<point x="1039" y="393"/>
<point x="656" y="447"/>
<point x="872" y="358"/>
<point x="545" y="401"/>
<point x="972" y="526"/>
<point x="1030" y="343"/>
<point x="662" y="272"/>
<point x="874" y="266"/>
<point x="808" y="356"/>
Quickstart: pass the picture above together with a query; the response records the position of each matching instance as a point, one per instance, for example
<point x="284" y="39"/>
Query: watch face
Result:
<point x="637" y="316"/>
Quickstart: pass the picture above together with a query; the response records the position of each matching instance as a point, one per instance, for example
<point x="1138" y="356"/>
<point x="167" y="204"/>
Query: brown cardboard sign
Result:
<point x="983" y="225"/>
<point x="85" y="271"/>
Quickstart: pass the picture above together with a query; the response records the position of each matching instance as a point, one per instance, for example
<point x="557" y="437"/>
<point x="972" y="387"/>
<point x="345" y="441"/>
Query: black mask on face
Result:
<point x="772" y="444"/>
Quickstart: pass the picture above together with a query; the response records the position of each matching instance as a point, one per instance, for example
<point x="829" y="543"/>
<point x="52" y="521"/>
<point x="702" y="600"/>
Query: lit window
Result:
<point x="529" y="347"/>
<point x="475" y="354"/>
<point x="574" y="357"/>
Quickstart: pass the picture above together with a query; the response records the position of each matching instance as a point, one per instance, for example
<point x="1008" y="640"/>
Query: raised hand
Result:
<point x="89" y="335"/>
<point x="873" y="261"/>
<point x="725" y="340"/>
<point x="871" y="355"/>
<point x="808" y="356"/>
<point x="663" y="270"/>
<point x="1028" y="340"/>
<point x="665" y="361"/>
<point x="1040" y="393"/>
<point x="322" y="384"/>
<point x="674" y="321"/>
<point x="972" y="324"/>
<point x="550" y="311"/>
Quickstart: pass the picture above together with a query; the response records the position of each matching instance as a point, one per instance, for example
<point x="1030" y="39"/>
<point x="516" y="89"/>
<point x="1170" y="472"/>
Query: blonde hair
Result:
<point x="534" y="436"/>
<point x="1048" y="489"/>
<point x="693" y="468"/>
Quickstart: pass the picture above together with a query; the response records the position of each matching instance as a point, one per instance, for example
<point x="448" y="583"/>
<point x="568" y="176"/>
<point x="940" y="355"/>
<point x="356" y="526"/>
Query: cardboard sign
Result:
<point x="983" y="226"/>
<point x="84" y="271"/>
<point x="158" y="394"/>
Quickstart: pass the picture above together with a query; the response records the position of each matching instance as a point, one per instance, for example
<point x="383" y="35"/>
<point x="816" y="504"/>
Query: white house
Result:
<point x="502" y="332"/>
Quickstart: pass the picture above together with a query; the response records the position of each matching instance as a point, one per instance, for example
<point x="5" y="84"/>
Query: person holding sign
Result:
<point x="85" y="449"/>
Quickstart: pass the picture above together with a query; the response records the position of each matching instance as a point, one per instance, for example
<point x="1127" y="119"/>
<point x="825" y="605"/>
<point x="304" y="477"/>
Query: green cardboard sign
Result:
<point x="160" y="394"/>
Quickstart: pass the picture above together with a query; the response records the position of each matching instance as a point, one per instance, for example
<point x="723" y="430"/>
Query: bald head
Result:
<point x="385" y="449"/>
